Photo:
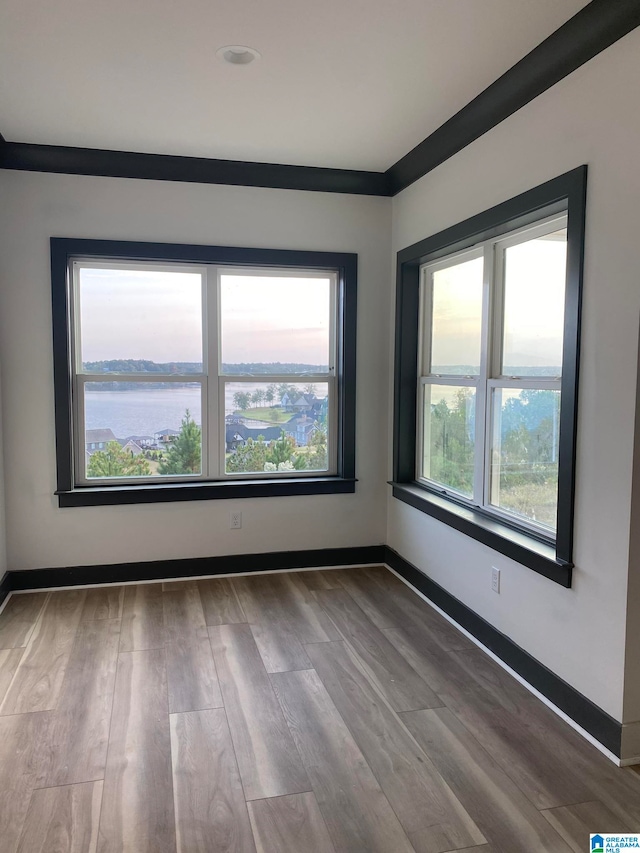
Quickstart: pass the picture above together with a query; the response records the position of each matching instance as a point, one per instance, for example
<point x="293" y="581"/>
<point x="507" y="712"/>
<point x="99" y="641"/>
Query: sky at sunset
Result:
<point x="535" y="273"/>
<point x="157" y="315"/>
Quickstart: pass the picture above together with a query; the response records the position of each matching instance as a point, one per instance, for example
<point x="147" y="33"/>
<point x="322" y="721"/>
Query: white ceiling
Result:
<point x="343" y="83"/>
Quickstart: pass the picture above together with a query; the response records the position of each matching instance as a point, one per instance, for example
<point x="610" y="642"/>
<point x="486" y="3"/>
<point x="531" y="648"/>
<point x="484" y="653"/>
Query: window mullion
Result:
<point x="211" y="334"/>
<point x="79" y="430"/>
<point x="486" y="367"/>
<point x="424" y="360"/>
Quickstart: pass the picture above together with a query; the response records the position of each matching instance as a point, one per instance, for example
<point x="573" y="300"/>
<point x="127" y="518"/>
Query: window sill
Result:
<point x="515" y="544"/>
<point x="116" y="495"/>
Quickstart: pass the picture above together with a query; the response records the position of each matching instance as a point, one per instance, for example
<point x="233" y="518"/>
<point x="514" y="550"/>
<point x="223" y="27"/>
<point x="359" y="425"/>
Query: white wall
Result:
<point x="3" y="542"/>
<point x="593" y="117"/>
<point x="38" y="206"/>
<point x="632" y="656"/>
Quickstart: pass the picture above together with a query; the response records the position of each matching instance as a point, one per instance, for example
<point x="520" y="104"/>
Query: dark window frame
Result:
<point x="64" y="250"/>
<point x="564" y="193"/>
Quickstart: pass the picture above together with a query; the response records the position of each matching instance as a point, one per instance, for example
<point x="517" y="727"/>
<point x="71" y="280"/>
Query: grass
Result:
<point x="269" y="414"/>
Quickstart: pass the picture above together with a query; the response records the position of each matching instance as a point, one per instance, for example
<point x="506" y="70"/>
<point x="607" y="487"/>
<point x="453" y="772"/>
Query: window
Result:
<point x="187" y="372"/>
<point x="486" y="374"/>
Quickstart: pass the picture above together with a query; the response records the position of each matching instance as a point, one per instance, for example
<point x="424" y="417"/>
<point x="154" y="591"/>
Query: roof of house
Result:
<point x="245" y="432"/>
<point x="95" y="436"/>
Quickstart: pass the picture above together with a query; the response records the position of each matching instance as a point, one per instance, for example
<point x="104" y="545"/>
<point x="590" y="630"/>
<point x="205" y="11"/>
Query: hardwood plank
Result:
<point x="183" y="614"/>
<point x="535" y="747"/>
<point x="568" y="767"/>
<point x="575" y="823"/>
<point x="20" y="739"/>
<point x="482" y="848"/>
<point x="103" y="603"/>
<point x="220" y="602"/>
<point x="313" y="580"/>
<point x="289" y="825"/>
<point x="191" y="677"/>
<point x="9" y="660"/>
<point x="63" y="819"/>
<point x="400" y="684"/>
<point x="423" y="802"/>
<point x="422" y="654"/>
<point x="76" y="747"/>
<point x="19" y="617"/>
<point x="504" y="815"/>
<point x="211" y="813"/>
<point x="142" y="618"/>
<point x="38" y="679"/>
<point x="541" y="772"/>
<point x="356" y="811"/>
<point x="267" y="758"/>
<point x="389" y="603"/>
<point x="191" y="674"/>
<point x="272" y="628"/>
<point x="137" y="804"/>
<point x="515" y="726"/>
<point x="308" y="619"/>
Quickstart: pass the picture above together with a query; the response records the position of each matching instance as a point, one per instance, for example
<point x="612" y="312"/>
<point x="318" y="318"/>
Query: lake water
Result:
<point x="144" y="412"/>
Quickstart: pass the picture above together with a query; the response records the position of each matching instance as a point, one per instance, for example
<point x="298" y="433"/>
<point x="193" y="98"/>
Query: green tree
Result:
<point x="241" y="400"/>
<point x="249" y="457"/>
<point x="185" y="453"/>
<point x="310" y="389"/>
<point x="113" y="461"/>
<point x="258" y="396"/>
<point x="285" y="388"/>
<point x="452" y="442"/>
<point x="317" y="458"/>
<point x="284" y="450"/>
<point x="270" y="393"/>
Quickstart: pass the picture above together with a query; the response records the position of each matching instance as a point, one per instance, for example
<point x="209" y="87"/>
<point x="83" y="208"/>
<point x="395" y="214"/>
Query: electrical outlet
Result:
<point x="235" y="522"/>
<point x="495" y="579"/>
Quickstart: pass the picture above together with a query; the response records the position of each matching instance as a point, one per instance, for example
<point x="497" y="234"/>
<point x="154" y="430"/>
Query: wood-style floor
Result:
<point x="314" y="712"/>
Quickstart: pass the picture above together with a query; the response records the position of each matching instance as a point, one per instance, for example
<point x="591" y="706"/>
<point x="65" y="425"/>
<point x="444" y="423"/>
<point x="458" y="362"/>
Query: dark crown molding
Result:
<point x="165" y="167"/>
<point x="594" y="28"/>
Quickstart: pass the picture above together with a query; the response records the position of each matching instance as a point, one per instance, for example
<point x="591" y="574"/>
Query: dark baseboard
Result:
<point x="581" y="710"/>
<point x="5" y="587"/>
<point x="162" y="569"/>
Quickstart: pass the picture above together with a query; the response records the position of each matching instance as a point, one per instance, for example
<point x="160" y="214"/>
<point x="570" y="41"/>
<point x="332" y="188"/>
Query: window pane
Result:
<point x="457" y="318"/>
<point x="534" y="285"/>
<point x="140" y="321"/>
<point x="275" y="325"/>
<point x="524" y="453"/>
<point x="449" y="436"/>
<point x="271" y="427"/>
<point x="142" y="429"/>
